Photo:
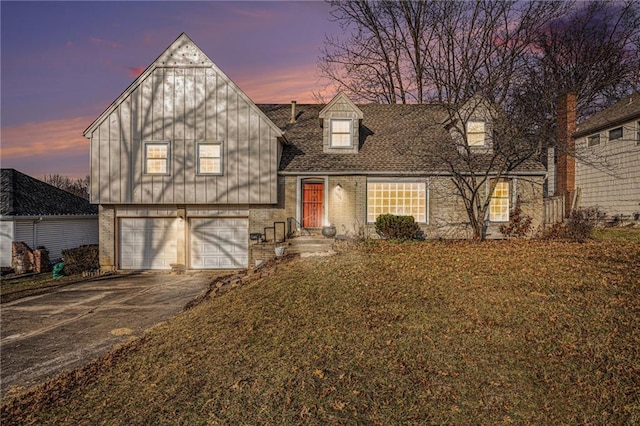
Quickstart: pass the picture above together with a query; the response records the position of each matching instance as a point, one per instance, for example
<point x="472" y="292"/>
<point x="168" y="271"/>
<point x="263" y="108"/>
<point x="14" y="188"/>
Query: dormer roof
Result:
<point x="340" y="102"/>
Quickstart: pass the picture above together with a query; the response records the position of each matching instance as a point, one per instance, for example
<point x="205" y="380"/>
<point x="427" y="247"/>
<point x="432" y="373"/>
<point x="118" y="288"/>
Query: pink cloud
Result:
<point x="37" y="138"/>
<point x="282" y="86"/>
<point x="134" y="72"/>
<point x="52" y="145"/>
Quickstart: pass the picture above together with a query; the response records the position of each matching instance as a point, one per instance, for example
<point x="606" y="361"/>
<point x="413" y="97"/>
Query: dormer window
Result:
<point x="341" y="133"/>
<point x="340" y="121"/>
<point x="476" y="133"/>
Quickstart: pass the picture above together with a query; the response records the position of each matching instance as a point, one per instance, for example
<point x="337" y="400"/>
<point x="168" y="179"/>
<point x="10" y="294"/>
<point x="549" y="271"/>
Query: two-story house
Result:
<point x="184" y="167"/>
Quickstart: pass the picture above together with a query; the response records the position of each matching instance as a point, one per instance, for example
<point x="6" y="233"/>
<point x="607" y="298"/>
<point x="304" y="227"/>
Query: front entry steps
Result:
<point x="310" y="245"/>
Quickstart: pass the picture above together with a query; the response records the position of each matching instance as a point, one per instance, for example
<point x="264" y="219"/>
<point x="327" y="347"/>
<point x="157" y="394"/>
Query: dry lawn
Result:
<point x="390" y="333"/>
<point x="18" y="286"/>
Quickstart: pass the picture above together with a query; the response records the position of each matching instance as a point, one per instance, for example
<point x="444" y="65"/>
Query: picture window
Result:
<point x="398" y="198"/>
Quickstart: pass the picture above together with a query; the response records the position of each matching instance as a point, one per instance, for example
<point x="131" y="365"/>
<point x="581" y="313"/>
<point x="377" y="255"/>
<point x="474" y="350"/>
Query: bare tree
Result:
<point x="79" y="187"/>
<point x="592" y="50"/>
<point x="516" y="57"/>
<point x="466" y="56"/>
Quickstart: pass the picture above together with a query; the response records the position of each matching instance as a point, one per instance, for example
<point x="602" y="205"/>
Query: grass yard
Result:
<point x="392" y="333"/>
<point x="16" y="287"/>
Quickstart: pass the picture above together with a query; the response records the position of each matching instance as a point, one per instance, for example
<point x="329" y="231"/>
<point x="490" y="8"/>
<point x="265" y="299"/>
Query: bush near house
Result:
<point x="80" y="259"/>
<point x="394" y="227"/>
<point x="519" y="223"/>
<point x="578" y="227"/>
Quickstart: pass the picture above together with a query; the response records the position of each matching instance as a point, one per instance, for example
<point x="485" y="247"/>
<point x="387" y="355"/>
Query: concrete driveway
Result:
<point x="48" y="334"/>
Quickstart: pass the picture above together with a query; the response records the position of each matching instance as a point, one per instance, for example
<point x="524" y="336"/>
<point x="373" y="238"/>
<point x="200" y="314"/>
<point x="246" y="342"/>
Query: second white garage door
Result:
<point x="148" y="243"/>
<point x="219" y="243"/>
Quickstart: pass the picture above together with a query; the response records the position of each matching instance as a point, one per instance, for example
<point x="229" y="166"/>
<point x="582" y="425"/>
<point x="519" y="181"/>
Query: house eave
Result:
<point x="608" y="125"/>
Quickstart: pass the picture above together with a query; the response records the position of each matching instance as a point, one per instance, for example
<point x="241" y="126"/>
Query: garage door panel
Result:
<point x="219" y="243"/>
<point x="148" y="243"/>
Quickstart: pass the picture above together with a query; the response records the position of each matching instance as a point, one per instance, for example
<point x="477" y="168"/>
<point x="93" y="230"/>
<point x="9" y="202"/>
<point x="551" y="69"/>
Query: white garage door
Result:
<point x="219" y="243"/>
<point x="148" y="243"/>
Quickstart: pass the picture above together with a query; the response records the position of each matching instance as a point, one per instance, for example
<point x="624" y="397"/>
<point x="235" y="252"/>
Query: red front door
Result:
<point x="312" y="205"/>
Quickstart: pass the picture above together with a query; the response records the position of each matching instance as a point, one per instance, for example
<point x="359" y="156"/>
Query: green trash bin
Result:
<point x="58" y="270"/>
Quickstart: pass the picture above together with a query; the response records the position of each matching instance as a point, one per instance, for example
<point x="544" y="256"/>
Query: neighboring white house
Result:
<point x="608" y="159"/>
<point x="601" y="165"/>
<point x="39" y="214"/>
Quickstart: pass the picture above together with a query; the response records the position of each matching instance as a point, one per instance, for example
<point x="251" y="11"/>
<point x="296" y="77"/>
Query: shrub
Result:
<point x="578" y="227"/>
<point x="519" y="224"/>
<point x="397" y="227"/>
<point x="80" y="259"/>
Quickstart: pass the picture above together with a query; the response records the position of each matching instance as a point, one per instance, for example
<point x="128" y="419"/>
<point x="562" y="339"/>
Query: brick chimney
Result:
<point x="566" y="168"/>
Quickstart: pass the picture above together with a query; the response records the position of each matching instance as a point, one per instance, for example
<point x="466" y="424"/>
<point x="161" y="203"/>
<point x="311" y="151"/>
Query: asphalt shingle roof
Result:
<point x="624" y="110"/>
<point x="22" y="195"/>
<point x="394" y="139"/>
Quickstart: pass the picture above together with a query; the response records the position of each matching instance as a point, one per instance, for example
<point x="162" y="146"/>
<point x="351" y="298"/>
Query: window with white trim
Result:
<point x="399" y="198"/>
<point x="209" y="158"/>
<point x="593" y="140"/>
<point x="156" y="158"/>
<point x="475" y="133"/>
<point x="615" y="133"/>
<point x="341" y="133"/>
<point x="499" y="204"/>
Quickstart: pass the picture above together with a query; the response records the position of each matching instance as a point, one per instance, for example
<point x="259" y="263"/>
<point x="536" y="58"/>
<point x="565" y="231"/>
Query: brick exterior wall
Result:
<point x="447" y="215"/>
<point x="346" y="209"/>
<point x="347" y="203"/>
<point x="566" y="167"/>
<point x="106" y="230"/>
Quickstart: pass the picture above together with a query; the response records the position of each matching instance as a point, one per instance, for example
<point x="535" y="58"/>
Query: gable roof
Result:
<point x="23" y="195"/>
<point x="183" y="52"/>
<point x="622" y="111"/>
<point x="395" y="139"/>
<point x="340" y="97"/>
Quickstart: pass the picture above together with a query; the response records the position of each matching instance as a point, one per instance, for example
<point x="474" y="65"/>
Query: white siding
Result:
<point x="56" y="234"/>
<point x="608" y="175"/>
<point x="6" y="237"/>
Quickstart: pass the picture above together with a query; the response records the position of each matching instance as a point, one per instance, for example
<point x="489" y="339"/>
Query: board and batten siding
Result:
<point x="184" y="105"/>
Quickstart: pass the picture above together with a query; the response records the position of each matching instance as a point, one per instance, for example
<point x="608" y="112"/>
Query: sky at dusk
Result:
<point x="63" y="63"/>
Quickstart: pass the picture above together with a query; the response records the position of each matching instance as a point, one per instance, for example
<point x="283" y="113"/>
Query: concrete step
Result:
<point x="309" y="244"/>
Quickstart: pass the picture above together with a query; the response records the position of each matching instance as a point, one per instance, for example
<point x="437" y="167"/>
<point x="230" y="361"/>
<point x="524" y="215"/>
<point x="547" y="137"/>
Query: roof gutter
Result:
<point x="607" y="125"/>
<point x="48" y="217"/>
